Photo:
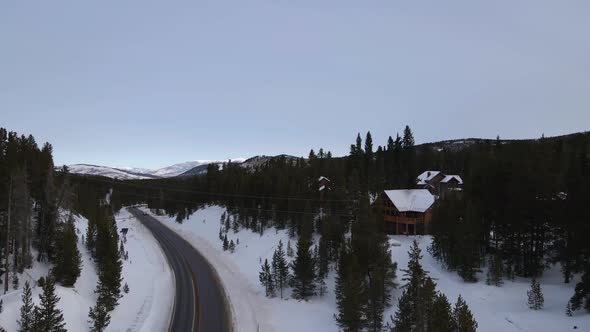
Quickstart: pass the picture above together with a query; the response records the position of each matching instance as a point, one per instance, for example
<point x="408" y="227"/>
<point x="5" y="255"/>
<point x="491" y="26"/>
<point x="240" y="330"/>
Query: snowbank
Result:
<point x="148" y="306"/>
<point x="495" y="308"/>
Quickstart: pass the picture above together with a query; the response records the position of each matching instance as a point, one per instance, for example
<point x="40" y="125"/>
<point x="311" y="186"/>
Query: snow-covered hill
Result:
<point x="110" y="172"/>
<point x="130" y="173"/>
<point x="182" y="168"/>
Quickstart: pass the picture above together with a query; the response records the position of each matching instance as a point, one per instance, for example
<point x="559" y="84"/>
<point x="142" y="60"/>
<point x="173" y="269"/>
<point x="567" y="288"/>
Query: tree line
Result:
<point x="521" y="210"/>
<point x="38" y="204"/>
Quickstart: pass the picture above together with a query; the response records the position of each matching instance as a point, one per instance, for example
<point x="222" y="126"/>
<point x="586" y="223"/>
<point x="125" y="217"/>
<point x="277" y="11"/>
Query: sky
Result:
<point x="152" y="83"/>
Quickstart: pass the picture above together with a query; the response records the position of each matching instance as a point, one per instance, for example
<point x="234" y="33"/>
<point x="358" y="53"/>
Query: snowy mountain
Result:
<point x="178" y="169"/>
<point x="110" y="172"/>
<point x="250" y="163"/>
<point x="130" y="173"/>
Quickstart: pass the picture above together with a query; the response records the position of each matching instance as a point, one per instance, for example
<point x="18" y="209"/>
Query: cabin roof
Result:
<point x="415" y="200"/>
<point x="450" y="177"/>
<point x="324" y="178"/>
<point x="426" y="176"/>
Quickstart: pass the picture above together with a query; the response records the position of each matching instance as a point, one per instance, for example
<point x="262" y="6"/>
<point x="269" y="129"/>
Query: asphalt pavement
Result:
<point x="200" y="304"/>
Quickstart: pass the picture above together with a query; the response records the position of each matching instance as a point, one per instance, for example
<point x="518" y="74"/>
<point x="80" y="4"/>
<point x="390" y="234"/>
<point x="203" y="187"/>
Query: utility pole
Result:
<point x="7" y="237"/>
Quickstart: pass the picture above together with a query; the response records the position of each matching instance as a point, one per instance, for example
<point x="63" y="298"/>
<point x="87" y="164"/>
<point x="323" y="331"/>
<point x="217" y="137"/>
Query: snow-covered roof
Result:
<point x="416" y="200"/>
<point x="426" y="176"/>
<point x="322" y="188"/>
<point x="450" y="177"/>
<point x="324" y="178"/>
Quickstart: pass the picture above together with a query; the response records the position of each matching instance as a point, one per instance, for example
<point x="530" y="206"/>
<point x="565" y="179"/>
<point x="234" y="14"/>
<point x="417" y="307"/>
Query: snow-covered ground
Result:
<point x="495" y="308"/>
<point x="146" y="307"/>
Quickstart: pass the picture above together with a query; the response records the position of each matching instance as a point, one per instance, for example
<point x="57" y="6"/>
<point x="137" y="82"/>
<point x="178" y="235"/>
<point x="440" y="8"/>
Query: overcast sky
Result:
<point x="147" y="84"/>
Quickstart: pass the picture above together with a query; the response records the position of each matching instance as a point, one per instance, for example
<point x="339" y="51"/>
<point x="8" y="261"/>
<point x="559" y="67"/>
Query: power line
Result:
<point x="247" y="208"/>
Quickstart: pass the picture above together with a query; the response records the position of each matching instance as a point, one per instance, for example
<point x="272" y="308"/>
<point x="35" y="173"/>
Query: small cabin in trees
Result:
<point x="407" y="211"/>
<point x="429" y="180"/>
<point x="451" y="184"/>
<point x="324" y="183"/>
<point x="439" y="183"/>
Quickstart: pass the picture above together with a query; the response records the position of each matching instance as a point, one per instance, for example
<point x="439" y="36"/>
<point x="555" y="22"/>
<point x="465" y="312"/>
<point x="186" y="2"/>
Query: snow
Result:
<point x="148" y="305"/>
<point x="426" y="176"/>
<point x="417" y="200"/>
<point x="251" y="310"/>
<point x="323" y="178"/>
<point x="136" y="311"/>
<point x="495" y="308"/>
<point x="501" y="308"/>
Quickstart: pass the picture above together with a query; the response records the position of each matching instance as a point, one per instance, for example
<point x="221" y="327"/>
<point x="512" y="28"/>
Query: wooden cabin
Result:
<point x="324" y="183"/>
<point x="450" y="185"/>
<point x="439" y="184"/>
<point x="430" y="180"/>
<point x="407" y="211"/>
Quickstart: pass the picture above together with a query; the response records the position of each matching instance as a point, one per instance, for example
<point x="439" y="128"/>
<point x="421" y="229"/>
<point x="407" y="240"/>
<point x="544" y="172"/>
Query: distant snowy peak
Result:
<point x="178" y="169"/>
<point x="110" y="172"/>
<point x="131" y="173"/>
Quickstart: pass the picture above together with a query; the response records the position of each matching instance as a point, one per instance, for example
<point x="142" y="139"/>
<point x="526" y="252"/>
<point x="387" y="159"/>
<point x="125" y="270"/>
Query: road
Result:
<point x="199" y="304"/>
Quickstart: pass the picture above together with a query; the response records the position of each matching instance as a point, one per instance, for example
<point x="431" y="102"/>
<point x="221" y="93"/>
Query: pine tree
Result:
<point x="568" y="309"/>
<point x="408" y="138"/>
<point x="25" y="322"/>
<point x="91" y="235"/>
<point x="99" y="317"/>
<point x="320" y="271"/>
<point x="280" y="268"/>
<point x="48" y="317"/>
<point x="121" y="248"/>
<point x="108" y="261"/>
<point x="303" y="266"/>
<point x="369" y="144"/>
<point x="405" y="317"/>
<point x="68" y="260"/>
<point x="227" y="224"/>
<point x="495" y="271"/>
<point x="289" y="249"/>
<point x="581" y="297"/>
<point x="232" y="246"/>
<point x="463" y="320"/>
<point x="126" y="288"/>
<point x="417" y="302"/>
<point x="266" y="279"/>
<point x="426" y="298"/>
<point x="15" y="281"/>
<point x="535" y="295"/>
<point x="225" y="243"/>
<point x="349" y="289"/>
<point x="441" y="317"/>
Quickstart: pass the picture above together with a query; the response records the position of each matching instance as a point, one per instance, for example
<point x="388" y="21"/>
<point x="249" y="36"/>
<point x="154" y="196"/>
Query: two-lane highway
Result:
<point x="199" y="304"/>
